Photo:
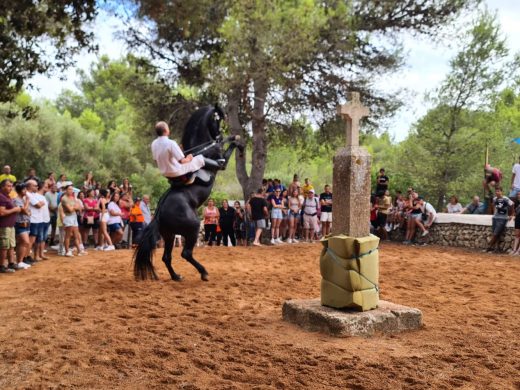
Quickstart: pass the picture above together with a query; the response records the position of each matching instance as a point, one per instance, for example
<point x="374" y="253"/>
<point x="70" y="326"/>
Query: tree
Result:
<point x="51" y="141"/>
<point x="127" y="95"/>
<point x="31" y="30"/>
<point x="47" y="142"/>
<point x="449" y="141"/>
<point x="271" y="61"/>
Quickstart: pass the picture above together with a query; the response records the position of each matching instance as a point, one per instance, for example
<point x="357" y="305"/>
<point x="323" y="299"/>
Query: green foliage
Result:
<point x="149" y="181"/>
<point x="274" y="60"/>
<point x="91" y="121"/>
<point x="308" y="157"/>
<point x="478" y="69"/>
<point x="56" y="142"/>
<point x="38" y="36"/>
<point x="48" y="142"/>
<point x="218" y="197"/>
<point x="445" y="151"/>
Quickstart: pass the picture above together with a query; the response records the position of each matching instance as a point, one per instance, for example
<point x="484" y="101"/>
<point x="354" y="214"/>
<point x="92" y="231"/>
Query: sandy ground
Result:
<point x="85" y="323"/>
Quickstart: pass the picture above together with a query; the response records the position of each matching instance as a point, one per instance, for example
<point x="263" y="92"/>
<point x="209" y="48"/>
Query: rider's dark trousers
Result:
<point x="210" y="233"/>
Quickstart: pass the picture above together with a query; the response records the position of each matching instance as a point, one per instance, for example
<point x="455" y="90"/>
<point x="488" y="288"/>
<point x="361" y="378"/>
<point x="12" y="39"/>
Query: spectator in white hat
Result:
<point x="310" y="215"/>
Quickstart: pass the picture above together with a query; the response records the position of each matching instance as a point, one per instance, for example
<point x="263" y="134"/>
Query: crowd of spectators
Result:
<point x="409" y="212"/>
<point x="413" y="213"/>
<point x="292" y="214"/>
<point x="38" y="215"/>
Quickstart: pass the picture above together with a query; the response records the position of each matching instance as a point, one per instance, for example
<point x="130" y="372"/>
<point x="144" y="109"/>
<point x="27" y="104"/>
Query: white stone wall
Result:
<point x="461" y="230"/>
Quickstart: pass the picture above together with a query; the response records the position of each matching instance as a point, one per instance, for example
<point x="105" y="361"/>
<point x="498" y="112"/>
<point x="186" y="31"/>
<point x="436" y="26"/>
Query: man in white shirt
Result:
<point x="515" y="181"/>
<point x="145" y="209"/>
<point x="429" y="211"/>
<point x="39" y="212"/>
<point x="170" y="158"/>
<point x="310" y="215"/>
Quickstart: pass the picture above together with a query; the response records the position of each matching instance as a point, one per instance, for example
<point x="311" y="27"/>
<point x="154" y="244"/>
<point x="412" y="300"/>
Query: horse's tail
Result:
<point x="143" y="255"/>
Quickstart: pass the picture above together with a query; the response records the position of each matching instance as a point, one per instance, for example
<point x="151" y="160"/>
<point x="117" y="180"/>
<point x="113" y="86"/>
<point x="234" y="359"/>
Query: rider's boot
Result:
<point x="214" y="165"/>
<point x="192" y="178"/>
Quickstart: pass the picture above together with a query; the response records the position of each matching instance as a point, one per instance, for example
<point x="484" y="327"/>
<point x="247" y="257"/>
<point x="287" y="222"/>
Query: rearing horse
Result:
<point x="176" y="211"/>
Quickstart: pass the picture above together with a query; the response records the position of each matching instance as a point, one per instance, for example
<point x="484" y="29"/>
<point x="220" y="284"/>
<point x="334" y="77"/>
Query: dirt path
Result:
<point x="85" y="323"/>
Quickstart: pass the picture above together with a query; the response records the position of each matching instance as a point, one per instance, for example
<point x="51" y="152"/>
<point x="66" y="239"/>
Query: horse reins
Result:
<point x="205" y="146"/>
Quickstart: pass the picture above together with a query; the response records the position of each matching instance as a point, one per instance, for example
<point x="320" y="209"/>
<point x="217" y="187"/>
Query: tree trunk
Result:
<point x="250" y="182"/>
<point x="233" y="110"/>
<point x="445" y="178"/>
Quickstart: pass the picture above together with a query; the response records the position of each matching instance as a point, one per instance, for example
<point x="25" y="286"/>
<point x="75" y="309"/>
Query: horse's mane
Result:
<point x="197" y="129"/>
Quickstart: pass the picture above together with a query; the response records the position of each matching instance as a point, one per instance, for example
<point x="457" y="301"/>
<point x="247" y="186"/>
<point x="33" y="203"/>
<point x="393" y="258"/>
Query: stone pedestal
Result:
<point x="388" y="318"/>
<point x="351" y="184"/>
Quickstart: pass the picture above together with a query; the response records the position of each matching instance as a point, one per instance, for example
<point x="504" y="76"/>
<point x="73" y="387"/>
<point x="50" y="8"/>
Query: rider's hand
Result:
<point x="189" y="157"/>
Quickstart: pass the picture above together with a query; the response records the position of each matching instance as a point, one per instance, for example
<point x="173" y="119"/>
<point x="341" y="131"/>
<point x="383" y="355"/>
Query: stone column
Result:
<point x="351" y="176"/>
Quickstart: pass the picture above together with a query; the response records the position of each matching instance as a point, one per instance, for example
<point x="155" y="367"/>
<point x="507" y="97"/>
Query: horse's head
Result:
<point x="214" y="122"/>
<point x="203" y="126"/>
<point x="202" y="132"/>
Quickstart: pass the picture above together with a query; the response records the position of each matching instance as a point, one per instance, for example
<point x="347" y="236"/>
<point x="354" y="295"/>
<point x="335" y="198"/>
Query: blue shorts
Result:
<point x="45" y="231"/>
<point x="38" y="230"/>
<point x="276" y="214"/>
<point x="294" y="214"/>
<point x="21" y="230"/>
<point x="114" y="227"/>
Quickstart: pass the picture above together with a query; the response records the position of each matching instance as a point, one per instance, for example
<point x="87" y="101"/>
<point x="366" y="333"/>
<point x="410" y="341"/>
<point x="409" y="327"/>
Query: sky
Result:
<point x="425" y="67"/>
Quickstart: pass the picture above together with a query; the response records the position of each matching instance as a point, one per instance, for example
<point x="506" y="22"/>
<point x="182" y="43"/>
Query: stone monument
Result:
<point x="351" y="176"/>
<point x="349" y="263"/>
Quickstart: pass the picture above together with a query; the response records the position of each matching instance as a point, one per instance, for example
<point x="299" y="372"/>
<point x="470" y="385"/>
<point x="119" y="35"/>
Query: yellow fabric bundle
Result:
<point x="350" y="272"/>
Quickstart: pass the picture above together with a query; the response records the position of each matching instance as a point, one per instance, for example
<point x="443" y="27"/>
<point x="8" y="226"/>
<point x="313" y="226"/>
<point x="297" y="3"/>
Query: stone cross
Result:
<point x="351" y="176"/>
<point x="352" y="113"/>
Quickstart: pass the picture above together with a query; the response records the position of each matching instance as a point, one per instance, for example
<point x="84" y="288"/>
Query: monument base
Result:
<point x="388" y="318"/>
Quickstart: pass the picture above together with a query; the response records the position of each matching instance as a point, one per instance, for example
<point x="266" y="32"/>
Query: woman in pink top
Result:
<point x="211" y="217"/>
<point x="90" y="217"/>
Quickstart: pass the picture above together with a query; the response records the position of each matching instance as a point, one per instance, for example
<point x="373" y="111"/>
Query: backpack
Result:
<point x="317" y="206"/>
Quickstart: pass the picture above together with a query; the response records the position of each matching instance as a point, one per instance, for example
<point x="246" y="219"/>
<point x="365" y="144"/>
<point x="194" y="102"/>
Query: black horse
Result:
<point x="176" y="211"/>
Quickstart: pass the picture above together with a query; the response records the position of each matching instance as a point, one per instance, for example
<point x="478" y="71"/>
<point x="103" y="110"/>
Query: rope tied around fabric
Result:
<point x="357" y="257"/>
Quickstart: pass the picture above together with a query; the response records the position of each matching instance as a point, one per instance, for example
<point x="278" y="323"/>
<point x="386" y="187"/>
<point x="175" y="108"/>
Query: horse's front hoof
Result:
<point x="177" y="278"/>
<point x="204" y="277"/>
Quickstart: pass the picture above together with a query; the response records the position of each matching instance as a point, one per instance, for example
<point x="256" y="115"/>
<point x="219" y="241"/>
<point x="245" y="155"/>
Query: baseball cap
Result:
<point x="311" y="191"/>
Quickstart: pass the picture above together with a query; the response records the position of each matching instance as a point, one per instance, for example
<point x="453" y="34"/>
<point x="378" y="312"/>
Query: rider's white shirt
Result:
<point x="167" y="154"/>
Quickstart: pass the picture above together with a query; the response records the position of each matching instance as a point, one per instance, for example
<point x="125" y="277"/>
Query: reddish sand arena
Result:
<point x="85" y="323"/>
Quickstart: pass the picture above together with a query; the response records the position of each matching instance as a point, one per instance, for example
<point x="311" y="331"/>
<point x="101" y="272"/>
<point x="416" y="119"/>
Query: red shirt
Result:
<point x="125" y="209"/>
<point x="8" y="220"/>
<point x="373" y="212"/>
<point x="91" y="203"/>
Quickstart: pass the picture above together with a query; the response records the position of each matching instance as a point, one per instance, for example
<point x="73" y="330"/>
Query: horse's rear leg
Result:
<point x="187" y="252"/>
<point x="167" y="257"/>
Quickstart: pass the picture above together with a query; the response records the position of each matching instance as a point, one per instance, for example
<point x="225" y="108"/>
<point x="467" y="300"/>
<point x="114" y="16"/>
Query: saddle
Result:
<point x="202" y="176"/>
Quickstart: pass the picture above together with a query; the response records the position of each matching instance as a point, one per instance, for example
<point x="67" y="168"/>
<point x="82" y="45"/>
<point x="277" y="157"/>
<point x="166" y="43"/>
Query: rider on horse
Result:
<point x="171" y="160"/>
<point x="176" y="212"/>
